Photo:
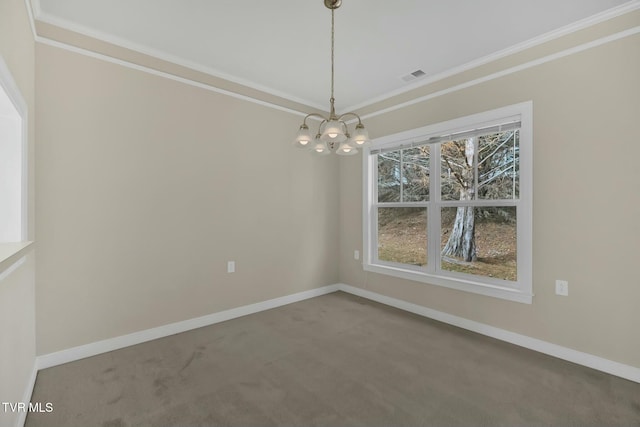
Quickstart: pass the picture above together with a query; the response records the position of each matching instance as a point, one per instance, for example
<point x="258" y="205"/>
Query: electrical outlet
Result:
<point x="356" y="254"/>
<point x="562" y="287"/>
<point x="231" y="267"/>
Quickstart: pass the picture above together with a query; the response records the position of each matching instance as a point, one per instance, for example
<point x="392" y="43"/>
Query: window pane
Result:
<point x="11" y="191"/>
<point x="480" y="241"/>
<point x="457" y="173"/>
<point x="389" y="177"/>
<point x="484" y="167"/>
<point x="402" y="235"/>
<point x="498" y="165"/>
<point x="415" y="174"/>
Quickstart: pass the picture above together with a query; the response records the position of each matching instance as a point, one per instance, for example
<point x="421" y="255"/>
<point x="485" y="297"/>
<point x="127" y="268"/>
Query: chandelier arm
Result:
<point x="323" y="122"/>
<point x="344" y="125"/>
<point x="304" y="122"/>
<point x="351" y="114"/>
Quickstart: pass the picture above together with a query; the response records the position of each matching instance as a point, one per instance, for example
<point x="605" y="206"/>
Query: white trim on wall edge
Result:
<point x="104" y="346"/>
<point x="512" y="50"/>
<point x="28" y="392"/>
<point x="166" y="75"/>
<point x="36" y="14"/>
<point x="507" y="71"/>
<point x="40" y="15"/>
<point x="595" y="362"/>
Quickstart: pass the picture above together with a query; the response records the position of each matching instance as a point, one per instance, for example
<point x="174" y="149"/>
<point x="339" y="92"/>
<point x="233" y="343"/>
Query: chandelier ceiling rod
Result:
<point x="333" y="133"/>
<point x="332" y="100"/>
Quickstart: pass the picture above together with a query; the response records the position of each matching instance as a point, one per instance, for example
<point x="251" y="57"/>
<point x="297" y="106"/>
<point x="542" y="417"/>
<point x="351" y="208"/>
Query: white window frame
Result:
<point x="520" y="290"/>
<point x="20" y="240"/>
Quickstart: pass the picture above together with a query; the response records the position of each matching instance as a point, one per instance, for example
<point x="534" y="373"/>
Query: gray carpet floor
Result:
<point x="334" y="360"/>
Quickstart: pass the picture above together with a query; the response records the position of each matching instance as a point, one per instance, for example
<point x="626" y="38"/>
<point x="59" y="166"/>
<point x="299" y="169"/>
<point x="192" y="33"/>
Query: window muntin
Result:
<point x="403" y="175"/>
<point x="481" y="167"/>
<point x="477" y="167"/>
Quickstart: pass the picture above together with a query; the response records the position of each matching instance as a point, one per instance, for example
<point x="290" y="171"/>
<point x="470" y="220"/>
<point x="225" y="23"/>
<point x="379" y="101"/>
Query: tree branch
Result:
<point x="455" y="174"/>
<point x="496" y="176"/>
<point x="497" y="148"/>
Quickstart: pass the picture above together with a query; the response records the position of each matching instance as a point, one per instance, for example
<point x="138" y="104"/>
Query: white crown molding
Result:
<point x="42" y="16"/>
<point x="35" y="5"/>
<point x="594" y="43"/>
<point x="166" y="75"/>
<point x="30" y="10"/>
<point x="544" y="38"/>
<point x="631" y="373"/>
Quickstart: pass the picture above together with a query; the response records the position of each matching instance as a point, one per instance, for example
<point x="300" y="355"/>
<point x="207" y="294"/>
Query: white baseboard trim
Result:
<point x="595" y="362"/>
<point x="76" y="353"/>
<point x="99" y="347"/>
<point x="28" y="392"/>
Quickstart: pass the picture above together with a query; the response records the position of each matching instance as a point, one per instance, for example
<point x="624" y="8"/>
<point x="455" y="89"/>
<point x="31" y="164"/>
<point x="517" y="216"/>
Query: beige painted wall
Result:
<point x="17" y="300"/>
<point x="17" y="341"/>
<point x="148" y="186"/>
<point x="586" y="201"/>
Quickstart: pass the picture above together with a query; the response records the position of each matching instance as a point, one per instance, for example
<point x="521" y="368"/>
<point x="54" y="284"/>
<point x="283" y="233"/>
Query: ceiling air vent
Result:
<point x="412" y="76"/>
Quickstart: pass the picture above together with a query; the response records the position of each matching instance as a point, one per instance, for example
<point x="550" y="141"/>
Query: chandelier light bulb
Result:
<point x="361" y="136"/>
<point x="346" y="150"/>
<point x="303" y="138"/>
<point x="333" y="132"/>
<point x="319" y="147"/>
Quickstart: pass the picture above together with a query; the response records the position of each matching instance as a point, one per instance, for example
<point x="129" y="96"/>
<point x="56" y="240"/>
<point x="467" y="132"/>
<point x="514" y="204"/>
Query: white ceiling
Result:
<point x="283" y="46"/>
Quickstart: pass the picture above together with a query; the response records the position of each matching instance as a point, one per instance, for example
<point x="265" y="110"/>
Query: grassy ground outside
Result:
<point x="402" y="238"/>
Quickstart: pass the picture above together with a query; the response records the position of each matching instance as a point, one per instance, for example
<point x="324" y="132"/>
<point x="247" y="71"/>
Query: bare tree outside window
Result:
<point x="476" y="237"/>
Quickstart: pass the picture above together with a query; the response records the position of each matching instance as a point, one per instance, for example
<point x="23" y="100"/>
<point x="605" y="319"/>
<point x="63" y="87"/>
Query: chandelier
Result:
<point x="333" y="134"/>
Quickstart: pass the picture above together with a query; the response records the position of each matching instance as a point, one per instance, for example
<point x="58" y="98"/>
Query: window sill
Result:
<point x="12" y="252"/>
<point x="495" y="291"/>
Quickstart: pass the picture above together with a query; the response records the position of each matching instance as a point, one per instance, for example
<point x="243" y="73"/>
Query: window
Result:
<point x="13" y="113"/>
<point x="450" y="204"/>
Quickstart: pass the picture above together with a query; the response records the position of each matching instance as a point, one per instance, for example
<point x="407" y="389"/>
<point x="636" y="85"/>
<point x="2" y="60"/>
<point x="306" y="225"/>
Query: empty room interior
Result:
<point x="319" y="212"/>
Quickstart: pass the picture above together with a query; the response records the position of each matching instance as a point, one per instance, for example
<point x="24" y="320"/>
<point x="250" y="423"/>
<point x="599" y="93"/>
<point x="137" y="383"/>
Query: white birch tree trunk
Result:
<point x="462" y="240"/>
